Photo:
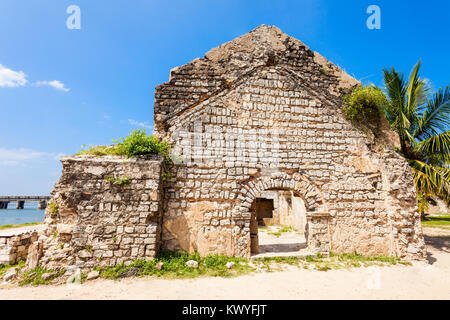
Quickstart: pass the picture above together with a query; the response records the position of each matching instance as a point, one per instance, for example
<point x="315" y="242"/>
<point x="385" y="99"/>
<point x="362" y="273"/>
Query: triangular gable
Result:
<point x="190" y="114"/>
<point x="229" y="64"/>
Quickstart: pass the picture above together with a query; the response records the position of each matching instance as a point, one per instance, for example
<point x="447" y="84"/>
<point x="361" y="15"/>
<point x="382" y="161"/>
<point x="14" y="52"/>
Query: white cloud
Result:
<point x="55" y="84"/>
<point x="24" y="157"/>
<point x="8" y="163"/>
<point x="140" y="124"/>
<point x="19" y="154"/>
<point x="15" y="157"/>
<point x="58" y="156"/>
<point x="11" y="78"/>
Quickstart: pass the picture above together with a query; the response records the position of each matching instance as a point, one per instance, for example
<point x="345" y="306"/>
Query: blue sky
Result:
<point x="61" y="88"/>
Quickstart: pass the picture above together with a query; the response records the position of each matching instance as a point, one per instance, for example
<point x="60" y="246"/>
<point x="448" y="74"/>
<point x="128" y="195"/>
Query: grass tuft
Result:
<point x="10" y="226"/>
<point x="34" y="277"/>
<point x="174" y="266"/>
<point x="334" y="261"/>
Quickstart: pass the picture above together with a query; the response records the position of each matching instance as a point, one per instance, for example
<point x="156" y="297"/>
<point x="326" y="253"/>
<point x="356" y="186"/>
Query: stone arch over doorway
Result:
<point x="317" y="229"/>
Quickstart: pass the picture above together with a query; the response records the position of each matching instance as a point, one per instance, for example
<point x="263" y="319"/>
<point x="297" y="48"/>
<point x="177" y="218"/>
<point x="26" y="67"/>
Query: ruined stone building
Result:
<point x="258" y="134"/>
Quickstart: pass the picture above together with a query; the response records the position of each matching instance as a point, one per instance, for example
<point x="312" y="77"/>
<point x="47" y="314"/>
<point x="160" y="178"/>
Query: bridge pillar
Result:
<point x="4" y="204"/>
<point x="20" y="204"/>
<point x="42" y="204"/>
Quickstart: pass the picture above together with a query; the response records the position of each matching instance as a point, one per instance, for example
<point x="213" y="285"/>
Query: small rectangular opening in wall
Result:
<point x="264" y="211"/>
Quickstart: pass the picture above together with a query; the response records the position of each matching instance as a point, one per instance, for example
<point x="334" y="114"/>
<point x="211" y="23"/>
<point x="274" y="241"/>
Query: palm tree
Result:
<point x="423" y="127"/>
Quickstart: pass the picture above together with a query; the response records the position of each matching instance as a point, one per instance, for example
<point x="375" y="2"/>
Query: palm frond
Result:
<point x="396" y="95"/>
<point x="422" y="126"/>
<point x="422" y="202"/>
<point x="436" y="117"/>
<point x="417" y="89"/>
<point x="412" y="141"/>
<point x="430" y="179"/>
<point x="434" y="145"/>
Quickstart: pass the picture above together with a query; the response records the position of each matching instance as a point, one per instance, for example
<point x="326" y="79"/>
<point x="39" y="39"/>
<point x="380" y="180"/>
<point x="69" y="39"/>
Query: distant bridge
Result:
<point x="20" y="200"/>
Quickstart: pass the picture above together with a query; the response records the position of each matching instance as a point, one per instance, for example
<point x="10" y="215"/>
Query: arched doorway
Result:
<point x="307" y="209"/>
<point x="278" y="223"/>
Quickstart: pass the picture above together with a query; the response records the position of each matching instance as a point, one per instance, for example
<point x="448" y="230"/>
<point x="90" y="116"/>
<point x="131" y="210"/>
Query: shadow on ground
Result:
<point x="437" y="241"/>
<point x="441" y="243"/>
<point x="282" y="247"/>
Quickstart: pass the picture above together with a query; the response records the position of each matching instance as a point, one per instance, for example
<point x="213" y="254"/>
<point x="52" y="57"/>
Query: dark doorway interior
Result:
<point x="264" y="211"/>
<point x="262" y="215"/>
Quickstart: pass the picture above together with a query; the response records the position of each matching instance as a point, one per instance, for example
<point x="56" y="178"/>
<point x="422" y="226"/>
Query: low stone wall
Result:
<point x="439" y="208"/>
<point x="95" y="220"/>
<point x="14" y="246"/>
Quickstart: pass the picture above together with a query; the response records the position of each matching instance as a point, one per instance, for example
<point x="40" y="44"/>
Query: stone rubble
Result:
<point x="10" y="274"/>
<point x="93" y="275"/>
<point x="14" y="246"/>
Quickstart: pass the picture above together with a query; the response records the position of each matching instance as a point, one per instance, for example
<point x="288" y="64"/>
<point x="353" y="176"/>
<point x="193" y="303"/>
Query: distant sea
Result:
<point x="28" y="214"/>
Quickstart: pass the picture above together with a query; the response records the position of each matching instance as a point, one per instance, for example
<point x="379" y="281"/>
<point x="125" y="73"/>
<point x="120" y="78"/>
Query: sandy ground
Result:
<point x="19" y="230"/>
<point x="289" y="243"/>
<point x="420" y="281"/>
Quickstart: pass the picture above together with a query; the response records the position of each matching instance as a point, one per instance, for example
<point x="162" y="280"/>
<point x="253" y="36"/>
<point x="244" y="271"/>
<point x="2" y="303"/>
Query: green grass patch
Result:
<point x="357" y="259"/>
<point x="286" y="260"/>
<point x="285" y="229"/>
<point x="436" y="221"/>
<point x="333" y="262"/>
<point x="5" y="267"/>
<point x="98" y="150"/>
<point x="279" y="231"/>
<point x="34" y="277"/>
<point x="174" y="266"/>
<point x="322" y="267"/>
<point x="277" y="234"/>
<point x="10" y="226"/>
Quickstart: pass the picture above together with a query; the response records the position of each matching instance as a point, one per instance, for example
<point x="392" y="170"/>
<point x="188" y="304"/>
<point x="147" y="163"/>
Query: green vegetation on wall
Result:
<point x="364" y="106"/>
<point x="124" y="181"/>
<point x="53" y="208"/>
<point x="136" y="144"/>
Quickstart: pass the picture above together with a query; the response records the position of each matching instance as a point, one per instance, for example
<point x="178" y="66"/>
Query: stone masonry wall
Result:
<point x="14" y="246"/>
<point x="99" y="223"/>
<point x="260" y="113"/>
<point x="264" y="112"/>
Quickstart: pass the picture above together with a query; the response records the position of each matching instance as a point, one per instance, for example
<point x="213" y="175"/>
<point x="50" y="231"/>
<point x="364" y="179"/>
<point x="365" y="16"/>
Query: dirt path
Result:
<point x="420" y="281"/>
<point x="19" y="230"/>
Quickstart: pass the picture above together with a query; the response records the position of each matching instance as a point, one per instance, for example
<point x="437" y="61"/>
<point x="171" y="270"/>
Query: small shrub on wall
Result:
<point x="364" y="106"/>
<point x="136" y="144"/>
<point x="140" y="143"/>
